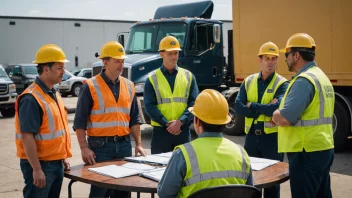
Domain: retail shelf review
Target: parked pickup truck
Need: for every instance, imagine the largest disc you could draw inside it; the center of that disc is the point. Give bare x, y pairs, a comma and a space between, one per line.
8, 94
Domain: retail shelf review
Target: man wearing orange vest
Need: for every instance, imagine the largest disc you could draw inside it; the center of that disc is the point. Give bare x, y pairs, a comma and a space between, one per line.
107, 109
42, 136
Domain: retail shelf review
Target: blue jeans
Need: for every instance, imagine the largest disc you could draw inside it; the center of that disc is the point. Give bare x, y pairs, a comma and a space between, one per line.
264, 146
54, 174
163, 141
310, 173
108, 149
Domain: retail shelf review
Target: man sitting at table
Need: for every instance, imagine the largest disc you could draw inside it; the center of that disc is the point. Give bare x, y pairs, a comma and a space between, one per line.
211, 160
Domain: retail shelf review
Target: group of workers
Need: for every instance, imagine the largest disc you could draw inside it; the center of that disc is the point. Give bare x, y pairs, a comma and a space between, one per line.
281, 116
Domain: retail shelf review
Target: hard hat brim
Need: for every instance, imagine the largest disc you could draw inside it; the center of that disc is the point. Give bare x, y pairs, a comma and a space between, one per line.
172, 49
210, 121
284, 50
272, 54
115, 57
58, 61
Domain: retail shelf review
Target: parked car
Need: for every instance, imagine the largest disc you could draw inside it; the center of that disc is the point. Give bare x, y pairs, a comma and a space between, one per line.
8, 94
70, 84
22, 75
85, 72
75, 72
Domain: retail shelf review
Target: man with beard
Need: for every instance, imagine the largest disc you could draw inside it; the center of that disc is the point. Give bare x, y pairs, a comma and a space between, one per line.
42, 136
107, 109
168, 93
259, 96
305, 120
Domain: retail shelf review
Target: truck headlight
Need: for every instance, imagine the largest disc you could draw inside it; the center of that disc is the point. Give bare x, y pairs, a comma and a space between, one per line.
139, 87
12, 88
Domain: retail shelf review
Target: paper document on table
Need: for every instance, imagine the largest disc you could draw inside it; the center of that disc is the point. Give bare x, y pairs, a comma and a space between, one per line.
155, 174
168, 154
125, 170
150, 159
261, 163
138, 166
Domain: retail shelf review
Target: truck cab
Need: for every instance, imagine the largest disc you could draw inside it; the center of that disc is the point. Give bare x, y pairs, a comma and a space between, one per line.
199, 36
8, 94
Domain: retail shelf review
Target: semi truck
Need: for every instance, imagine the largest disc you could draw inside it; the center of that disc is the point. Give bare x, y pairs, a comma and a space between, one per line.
254, 23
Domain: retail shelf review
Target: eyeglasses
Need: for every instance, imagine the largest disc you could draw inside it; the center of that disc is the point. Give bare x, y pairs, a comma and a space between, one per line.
288, 53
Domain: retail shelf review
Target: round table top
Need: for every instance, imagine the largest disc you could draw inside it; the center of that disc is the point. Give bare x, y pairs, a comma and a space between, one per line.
267, 177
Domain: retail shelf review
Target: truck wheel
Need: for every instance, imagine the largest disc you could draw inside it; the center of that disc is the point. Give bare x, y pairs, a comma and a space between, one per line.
75, 89
340, 126
236, 126
8, 113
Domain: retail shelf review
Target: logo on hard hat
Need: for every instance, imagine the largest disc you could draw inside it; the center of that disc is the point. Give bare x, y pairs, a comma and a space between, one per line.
120, 50
271, 49
172, 43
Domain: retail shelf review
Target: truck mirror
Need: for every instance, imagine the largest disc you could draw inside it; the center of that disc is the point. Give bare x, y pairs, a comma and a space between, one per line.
216, 33
96, 55
121, 39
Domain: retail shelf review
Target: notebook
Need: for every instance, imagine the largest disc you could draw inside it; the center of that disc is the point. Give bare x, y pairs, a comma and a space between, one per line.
124, 170
168, 154
149, 159
155, 174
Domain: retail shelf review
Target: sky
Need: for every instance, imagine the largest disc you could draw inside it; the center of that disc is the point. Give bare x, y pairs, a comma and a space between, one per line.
131, 10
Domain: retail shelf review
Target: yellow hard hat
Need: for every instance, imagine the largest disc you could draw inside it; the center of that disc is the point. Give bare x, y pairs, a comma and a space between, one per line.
112, 49
169, 43
211, 107
50, 53
299, 40
269, 48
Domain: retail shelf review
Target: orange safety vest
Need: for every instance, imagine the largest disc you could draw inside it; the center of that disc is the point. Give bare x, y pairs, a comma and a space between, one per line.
108, 117
53, 139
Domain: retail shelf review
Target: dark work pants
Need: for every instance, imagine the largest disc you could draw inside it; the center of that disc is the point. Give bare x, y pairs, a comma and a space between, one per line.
309, 173
54, 175
107, 150
163, 141
264, 146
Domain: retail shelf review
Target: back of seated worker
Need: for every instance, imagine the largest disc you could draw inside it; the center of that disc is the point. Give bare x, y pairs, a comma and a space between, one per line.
210, 154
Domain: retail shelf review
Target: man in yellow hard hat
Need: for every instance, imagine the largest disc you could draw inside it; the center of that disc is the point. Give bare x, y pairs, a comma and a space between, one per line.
305, 118
259, 96
42, 135
209, 156
107, 109
168, 92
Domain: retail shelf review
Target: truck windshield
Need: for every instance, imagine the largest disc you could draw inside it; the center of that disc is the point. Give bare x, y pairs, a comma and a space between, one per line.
30, 70
146, 38
2, 73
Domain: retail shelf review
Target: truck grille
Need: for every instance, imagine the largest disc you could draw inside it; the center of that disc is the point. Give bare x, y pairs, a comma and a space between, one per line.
125, 72
3, 88
4, 99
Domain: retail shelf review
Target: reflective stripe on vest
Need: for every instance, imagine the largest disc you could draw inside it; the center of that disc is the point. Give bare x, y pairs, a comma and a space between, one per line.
198, 177
273, 85
322, 120
313, 131
53, 134
161, 100
103, 110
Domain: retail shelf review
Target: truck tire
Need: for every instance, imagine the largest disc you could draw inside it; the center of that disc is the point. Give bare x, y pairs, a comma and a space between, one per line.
236, 126
8, 113
75, 89
340, 126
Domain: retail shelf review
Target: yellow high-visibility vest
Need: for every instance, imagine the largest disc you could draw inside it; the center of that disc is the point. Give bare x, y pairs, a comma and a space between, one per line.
171, 104
213, 161
313, 131
251, 85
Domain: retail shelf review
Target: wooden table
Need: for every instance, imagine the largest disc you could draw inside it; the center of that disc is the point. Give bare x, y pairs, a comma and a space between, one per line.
267, 177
